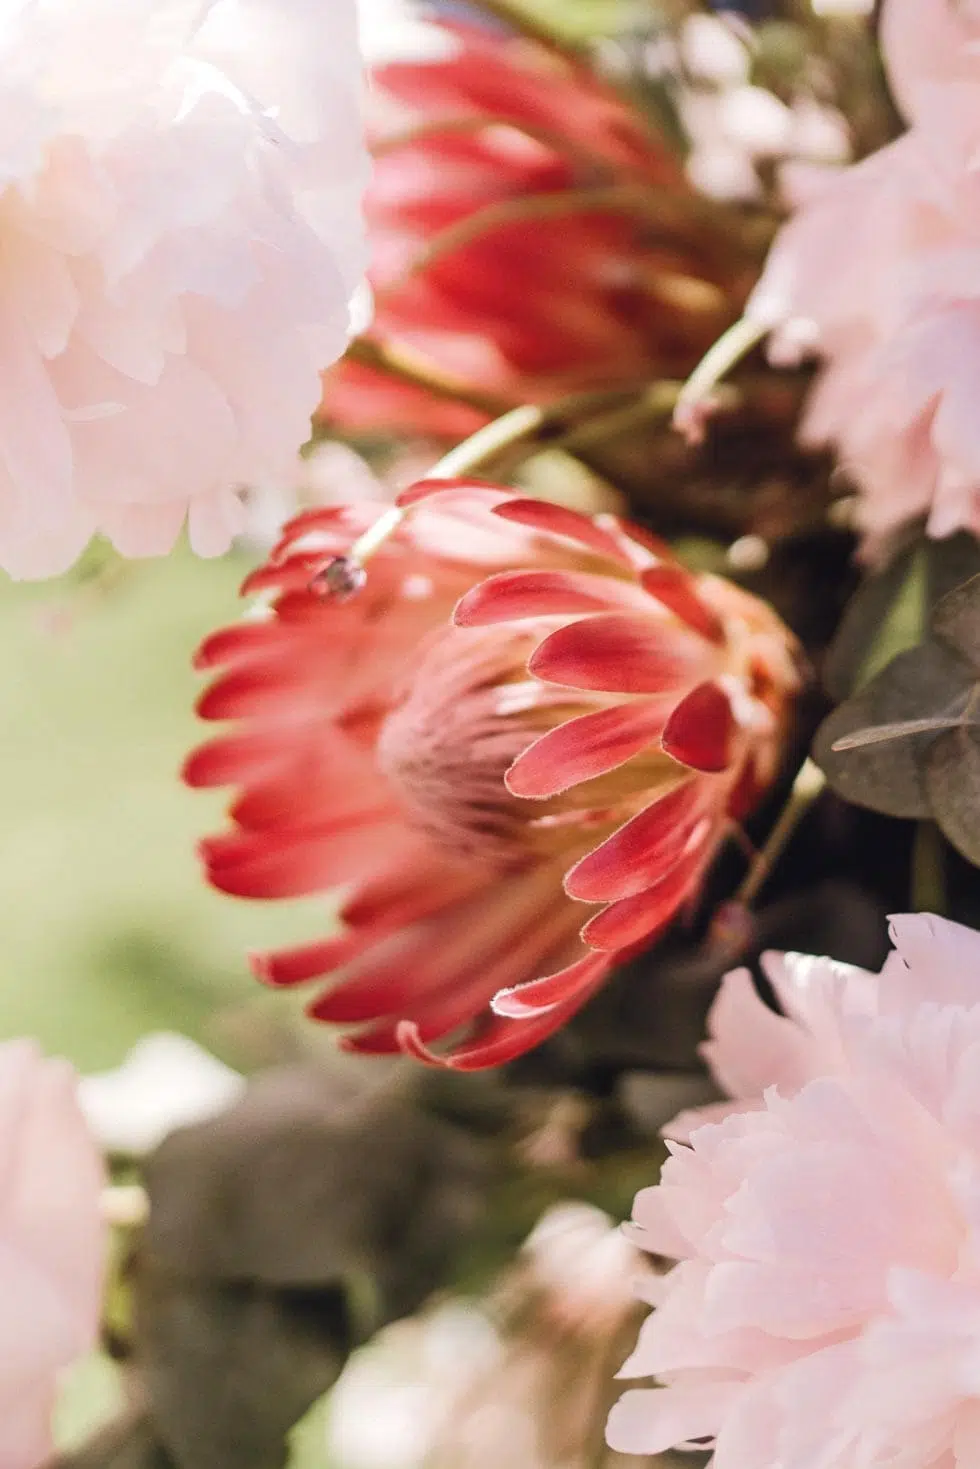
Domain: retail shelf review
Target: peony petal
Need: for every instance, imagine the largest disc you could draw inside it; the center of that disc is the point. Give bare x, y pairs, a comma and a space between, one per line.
652, 1420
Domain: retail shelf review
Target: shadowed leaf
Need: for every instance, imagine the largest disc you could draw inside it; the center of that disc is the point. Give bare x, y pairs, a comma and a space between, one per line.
952, 769
957, 620
879, 734
231, 1368
886, 777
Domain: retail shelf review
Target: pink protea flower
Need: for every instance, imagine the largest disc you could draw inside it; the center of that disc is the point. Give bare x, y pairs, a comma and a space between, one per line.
181, 237
823, 1309
896, 315
531, 236
581, 729
51, 1245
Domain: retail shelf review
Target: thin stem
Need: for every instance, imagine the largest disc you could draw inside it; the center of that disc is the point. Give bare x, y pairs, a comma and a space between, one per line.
807, 786
441, 127
522, 429
608, 198
125, 1205
717, 362
408, 367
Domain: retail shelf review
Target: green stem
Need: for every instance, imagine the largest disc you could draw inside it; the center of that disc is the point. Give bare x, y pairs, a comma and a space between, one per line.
807, 786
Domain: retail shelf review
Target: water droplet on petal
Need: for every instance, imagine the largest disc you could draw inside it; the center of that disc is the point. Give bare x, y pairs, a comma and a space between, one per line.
339, 580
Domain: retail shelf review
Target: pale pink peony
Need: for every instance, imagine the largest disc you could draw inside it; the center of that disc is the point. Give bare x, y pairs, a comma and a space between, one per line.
878, 269
180, 237
51, 1245
825, 1308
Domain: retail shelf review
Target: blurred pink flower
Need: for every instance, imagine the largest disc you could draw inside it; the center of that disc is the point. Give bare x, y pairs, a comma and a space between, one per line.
878, 270
180, 237
824, 1308
51, 1245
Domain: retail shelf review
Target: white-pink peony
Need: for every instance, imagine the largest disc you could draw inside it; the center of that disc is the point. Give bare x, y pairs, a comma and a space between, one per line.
51, 1245
824, 1312
879, 269
180, 238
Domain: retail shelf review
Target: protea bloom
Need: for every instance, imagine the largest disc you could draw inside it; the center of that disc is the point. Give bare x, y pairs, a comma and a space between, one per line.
475, 757
532, 236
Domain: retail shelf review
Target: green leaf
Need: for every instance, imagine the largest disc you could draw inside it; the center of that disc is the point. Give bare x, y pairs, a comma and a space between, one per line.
952, 769
956, 620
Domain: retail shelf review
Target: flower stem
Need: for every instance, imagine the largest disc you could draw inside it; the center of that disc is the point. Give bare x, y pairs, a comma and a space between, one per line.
807, 786
717, 362
410, 367
125, 1205
522, 430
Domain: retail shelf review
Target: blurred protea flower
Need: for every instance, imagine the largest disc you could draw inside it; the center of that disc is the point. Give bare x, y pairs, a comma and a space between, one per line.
525, 710
181, 237
533, 234
825, 1307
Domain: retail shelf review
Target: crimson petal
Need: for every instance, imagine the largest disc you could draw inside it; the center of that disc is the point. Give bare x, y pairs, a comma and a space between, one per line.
503, 1039
537, 996
557, 520
675, 588
642, 917
516, 594
639, 853
701, 731
583, 748
617, 652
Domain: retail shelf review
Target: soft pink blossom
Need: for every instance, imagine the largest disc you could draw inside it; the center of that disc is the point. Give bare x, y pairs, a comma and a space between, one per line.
51, 1245
878, 269
180, 238
825, 1307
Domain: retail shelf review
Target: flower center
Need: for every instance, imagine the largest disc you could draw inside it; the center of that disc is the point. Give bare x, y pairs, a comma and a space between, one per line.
469, 712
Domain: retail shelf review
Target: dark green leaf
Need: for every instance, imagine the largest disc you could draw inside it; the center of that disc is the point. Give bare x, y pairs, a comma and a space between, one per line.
951, 562
886, 778
310, 1182
952, 770
231, 1368
879, 734
926, 682
956, 620
128, 1442
870, 613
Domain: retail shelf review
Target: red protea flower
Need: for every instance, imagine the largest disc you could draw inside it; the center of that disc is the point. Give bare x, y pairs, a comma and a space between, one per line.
532, 235
476, 757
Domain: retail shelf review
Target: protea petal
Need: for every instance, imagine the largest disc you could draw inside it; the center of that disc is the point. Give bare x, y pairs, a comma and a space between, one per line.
701, 730
674, 587
614, 652
638, 854
516, 594
586, 747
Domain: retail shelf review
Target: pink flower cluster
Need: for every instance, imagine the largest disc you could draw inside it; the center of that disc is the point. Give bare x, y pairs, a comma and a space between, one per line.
51, 1245
825, 1307
879, 269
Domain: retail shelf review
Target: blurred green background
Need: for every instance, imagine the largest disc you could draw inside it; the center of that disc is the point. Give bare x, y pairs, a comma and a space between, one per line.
108, 929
